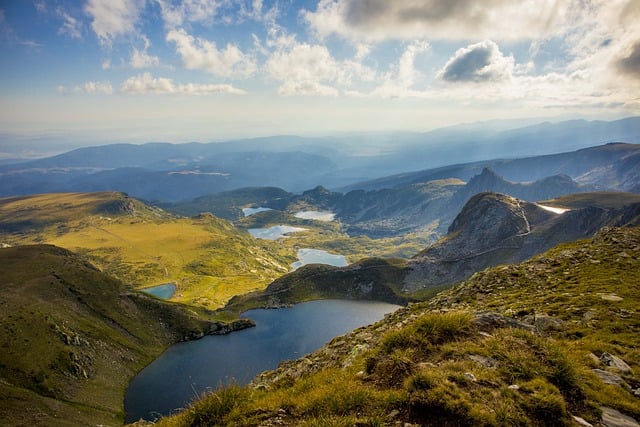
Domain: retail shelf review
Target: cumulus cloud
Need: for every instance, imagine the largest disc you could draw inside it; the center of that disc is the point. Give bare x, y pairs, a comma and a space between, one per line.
437, 19
145, 83
141, 58
201, 54
177, 13
302, 69
113, 18
310, 69
478, 62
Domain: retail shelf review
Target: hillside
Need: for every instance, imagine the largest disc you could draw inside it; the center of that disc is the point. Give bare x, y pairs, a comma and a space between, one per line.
73, 337
207, 258
549, 342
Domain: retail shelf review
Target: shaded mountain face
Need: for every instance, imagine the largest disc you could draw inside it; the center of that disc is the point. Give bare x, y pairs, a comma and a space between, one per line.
497, 229
73, 337
491, 229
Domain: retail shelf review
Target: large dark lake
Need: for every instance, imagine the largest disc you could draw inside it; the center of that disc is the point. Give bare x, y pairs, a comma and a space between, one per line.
187, 369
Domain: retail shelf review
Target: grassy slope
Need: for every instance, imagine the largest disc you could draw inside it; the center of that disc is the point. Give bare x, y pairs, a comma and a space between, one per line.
446, 362
71, 338
208, 259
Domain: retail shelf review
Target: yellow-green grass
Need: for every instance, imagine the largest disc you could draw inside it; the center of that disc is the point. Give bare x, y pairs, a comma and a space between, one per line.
207, 258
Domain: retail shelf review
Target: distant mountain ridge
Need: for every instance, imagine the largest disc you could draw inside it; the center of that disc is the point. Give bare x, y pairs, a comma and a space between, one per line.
180, 172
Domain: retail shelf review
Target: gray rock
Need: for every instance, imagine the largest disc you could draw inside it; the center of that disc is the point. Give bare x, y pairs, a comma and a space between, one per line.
470, 376
486, 362
608, 377
582, 422
613, 418
542, 322
614, 362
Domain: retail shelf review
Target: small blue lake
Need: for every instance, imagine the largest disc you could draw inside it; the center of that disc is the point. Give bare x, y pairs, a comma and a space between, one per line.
274, 233
165, 291
317, 256
252, 211
316, 215
187, 369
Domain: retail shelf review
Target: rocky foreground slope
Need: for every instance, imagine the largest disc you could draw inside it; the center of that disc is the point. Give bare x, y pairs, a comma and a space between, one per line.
549, 342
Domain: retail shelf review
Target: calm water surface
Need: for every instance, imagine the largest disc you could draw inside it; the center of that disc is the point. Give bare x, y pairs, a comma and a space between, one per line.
274, 233
187, 369
165, 291
252, 211
317, 215
317, 256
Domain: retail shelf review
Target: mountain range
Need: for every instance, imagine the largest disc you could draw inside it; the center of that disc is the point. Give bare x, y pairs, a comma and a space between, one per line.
180, 172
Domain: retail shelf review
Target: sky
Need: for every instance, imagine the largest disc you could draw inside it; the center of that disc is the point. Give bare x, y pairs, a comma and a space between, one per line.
97, 71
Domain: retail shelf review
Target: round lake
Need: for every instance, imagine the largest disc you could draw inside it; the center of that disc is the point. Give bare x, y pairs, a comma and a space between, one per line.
187, 369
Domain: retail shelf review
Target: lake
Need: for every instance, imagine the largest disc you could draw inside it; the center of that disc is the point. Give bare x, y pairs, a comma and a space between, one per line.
187, 369
165, 291
317, 215
252, 211
317, 256
274, 233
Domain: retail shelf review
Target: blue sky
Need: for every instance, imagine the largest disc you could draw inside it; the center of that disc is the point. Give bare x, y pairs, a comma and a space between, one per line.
98, 71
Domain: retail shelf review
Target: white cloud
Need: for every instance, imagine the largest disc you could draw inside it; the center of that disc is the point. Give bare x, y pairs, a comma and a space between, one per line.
142, 59
201, 54
310, 69
480, 62
145, 83
70, 25
175, 14
399, 81
89, 87
113, 18
303, 66
106, 64
376, 20
40, 6
95, 87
